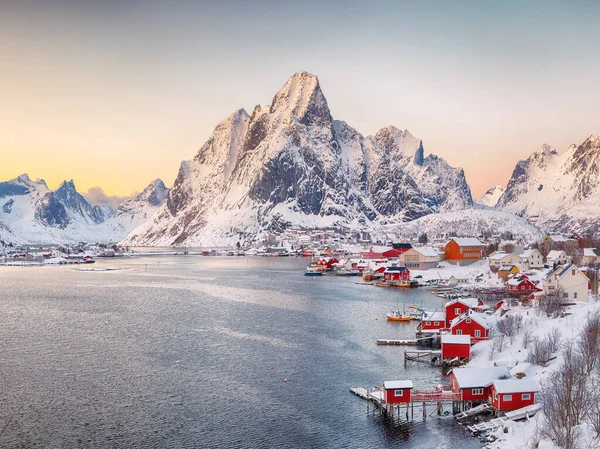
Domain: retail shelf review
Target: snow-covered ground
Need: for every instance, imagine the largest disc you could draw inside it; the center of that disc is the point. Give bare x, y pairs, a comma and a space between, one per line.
524, 435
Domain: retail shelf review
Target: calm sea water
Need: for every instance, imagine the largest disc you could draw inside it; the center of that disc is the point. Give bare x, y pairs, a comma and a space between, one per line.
189, 351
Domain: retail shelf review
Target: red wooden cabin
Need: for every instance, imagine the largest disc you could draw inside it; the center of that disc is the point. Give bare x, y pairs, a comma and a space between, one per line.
396, 274
456, 346
433, 322
474, 384
521, 284
397, 391
471, 323
513, 394
457, 307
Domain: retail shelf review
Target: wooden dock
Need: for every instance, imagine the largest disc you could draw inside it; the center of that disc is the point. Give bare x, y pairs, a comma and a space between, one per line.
474, 411
487, 426
435, 399
428, 356
387, 342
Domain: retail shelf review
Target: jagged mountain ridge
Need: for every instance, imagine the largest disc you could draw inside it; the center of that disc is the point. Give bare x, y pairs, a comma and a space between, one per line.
31, 213
490, 197
559, 192
291, 163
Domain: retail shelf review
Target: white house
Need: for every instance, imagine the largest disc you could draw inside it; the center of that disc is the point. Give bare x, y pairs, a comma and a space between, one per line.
556, 257
591, 256
531, 258
499, 258
570, 279
420, 258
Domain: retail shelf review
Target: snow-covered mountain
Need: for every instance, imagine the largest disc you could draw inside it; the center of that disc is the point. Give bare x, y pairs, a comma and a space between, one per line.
290, 163
467, 223
31, 213
491, 197
558, 192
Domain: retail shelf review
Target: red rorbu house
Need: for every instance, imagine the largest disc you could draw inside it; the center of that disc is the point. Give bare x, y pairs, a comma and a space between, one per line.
521, 284
471, 323
396, 250
457, 307
396, 274
513, 394
432, 322
397, 391
327, 262
456, 346
474, 384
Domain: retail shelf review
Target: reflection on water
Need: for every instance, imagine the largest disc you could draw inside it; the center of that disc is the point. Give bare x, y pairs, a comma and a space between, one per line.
195, 352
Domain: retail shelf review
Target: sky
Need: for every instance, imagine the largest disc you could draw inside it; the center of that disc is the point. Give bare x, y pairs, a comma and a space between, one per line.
114, 94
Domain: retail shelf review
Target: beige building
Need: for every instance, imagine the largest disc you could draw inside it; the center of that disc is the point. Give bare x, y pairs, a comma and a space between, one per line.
570, 279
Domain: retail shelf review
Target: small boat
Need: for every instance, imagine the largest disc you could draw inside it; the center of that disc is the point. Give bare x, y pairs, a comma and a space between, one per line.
396, 315
313, 271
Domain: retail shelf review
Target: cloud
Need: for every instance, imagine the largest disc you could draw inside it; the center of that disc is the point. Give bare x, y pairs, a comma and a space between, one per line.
95, 195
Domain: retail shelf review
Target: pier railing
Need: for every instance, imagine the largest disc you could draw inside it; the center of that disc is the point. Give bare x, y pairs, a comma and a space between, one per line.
433, 396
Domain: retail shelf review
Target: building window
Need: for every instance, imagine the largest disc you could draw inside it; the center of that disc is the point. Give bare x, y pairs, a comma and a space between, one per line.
477, 391
436, 323
468, 320
507, 397
526, 397
398, 393
573, 272
574, 295
458, 332
478, 333
457, 310
565, 294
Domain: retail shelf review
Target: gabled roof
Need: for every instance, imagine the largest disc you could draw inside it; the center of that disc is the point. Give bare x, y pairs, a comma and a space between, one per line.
448, 339
560, 270
467, 241
480, 377
469, 302
397, 384
501, 255
555, 254
591, 252
427, 251
516, 386
475, 316
528, 253
516, 280
395, 269
434, 316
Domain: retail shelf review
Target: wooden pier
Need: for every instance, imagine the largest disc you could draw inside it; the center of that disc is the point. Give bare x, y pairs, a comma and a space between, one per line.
434, 399
429, 356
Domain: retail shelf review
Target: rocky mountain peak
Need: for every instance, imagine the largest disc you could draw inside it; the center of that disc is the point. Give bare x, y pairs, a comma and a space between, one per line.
301, 97
400, 145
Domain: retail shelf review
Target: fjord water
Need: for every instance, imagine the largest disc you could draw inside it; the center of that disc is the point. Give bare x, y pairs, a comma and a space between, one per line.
190, 351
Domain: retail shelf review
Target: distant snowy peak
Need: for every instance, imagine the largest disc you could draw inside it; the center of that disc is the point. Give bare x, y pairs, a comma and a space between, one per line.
559, 192
31, 213
290, 163
491, 197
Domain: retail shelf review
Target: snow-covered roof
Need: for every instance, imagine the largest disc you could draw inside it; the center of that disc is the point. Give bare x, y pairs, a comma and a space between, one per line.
397, 384
555, 254
434, 316
467, 241
559, 238
499, 255
527, 253
516, 385
456, 339
475, 316
428, 251
591, 252
469, 302
395, 269
479, 377
516, 280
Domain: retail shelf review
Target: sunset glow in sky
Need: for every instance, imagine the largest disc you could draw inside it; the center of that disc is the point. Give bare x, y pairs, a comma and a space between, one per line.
116, 94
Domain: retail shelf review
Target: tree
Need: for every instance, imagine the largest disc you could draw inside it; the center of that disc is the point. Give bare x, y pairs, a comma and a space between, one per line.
423, 239
551, 302
509, 248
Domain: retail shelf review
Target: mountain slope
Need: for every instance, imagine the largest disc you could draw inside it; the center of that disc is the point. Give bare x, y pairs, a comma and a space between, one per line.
559, 192
491, 197
290, 163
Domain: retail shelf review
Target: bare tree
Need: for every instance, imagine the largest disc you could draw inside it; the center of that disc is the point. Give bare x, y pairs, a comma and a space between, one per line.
509, 326
566, 400
554, 339
539, 352
527, 338
589, 342
508, 248
551, 302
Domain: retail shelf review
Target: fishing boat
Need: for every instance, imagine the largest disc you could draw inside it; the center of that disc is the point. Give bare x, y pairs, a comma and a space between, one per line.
396, 315
312, 271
